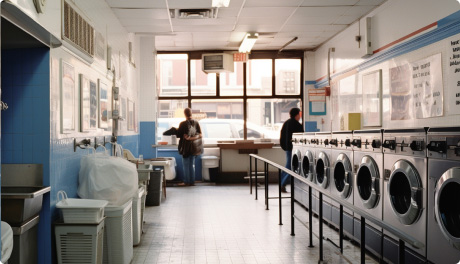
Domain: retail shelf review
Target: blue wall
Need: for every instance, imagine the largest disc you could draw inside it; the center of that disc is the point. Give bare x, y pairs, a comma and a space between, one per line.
147, 139
179, 166
131, 143
26, 123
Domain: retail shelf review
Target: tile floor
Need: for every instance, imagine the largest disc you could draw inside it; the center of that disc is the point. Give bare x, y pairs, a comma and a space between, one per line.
224, 224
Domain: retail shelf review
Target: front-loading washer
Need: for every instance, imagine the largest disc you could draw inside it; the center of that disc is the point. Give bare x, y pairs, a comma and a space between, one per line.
342, 177
443, 236
297, 148
405, 185
368, 183
323, 166
300, 188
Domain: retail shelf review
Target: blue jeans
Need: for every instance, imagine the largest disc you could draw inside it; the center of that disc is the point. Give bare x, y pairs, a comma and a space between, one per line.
189, 169
286, 178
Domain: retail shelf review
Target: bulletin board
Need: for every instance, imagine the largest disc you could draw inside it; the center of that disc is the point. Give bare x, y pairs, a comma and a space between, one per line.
317, 101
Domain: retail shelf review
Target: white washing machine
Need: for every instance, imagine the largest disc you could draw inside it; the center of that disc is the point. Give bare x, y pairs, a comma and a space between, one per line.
368, 185
323, 166
342, 177
405, 186
297, 148
443, 237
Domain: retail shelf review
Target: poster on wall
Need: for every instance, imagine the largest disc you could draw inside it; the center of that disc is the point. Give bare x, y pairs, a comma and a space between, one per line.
372, 99
335, 105
400, 93
104, 105
67, 97
427, 87
85, 104
93, 104
131, 116
453, 101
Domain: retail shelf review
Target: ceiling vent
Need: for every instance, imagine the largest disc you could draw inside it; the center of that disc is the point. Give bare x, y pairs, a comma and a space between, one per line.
77, 31
193, 13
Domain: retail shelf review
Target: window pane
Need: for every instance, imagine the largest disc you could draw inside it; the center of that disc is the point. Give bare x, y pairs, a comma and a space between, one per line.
266, 116
232, 83
222, 119
287, 76
201, 83
171, 113
172, 74
259, 77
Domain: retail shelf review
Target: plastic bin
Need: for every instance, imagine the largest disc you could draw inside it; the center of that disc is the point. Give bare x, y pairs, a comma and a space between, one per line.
168, 164
155, 187
25, 237
79, 243
137, 216
80, 211
118, 235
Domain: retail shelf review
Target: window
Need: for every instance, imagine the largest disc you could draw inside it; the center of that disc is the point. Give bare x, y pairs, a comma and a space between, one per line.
259, 77
201, 83
232, 83
262, 89
172, 74
287, 76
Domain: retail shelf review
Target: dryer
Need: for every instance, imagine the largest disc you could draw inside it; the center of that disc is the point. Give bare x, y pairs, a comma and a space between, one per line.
405, 185
342, 177
300, 188
308, 170
367, 194
297, 148
323, 166
443, 236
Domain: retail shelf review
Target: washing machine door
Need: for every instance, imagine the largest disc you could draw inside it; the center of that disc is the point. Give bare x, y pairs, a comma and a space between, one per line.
405, 192
322, 170
308, 165
343, 176
295, 161
367, 182
447, 206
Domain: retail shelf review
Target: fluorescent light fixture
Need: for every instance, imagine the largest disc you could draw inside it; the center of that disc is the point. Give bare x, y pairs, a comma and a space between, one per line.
220, 3
248, 42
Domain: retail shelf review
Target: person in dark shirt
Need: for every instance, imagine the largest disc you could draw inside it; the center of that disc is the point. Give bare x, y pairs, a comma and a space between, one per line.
189, 130
289, 127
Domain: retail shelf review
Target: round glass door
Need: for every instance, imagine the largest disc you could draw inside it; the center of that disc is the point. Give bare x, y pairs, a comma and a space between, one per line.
322, 170
307, 165
342, 175
295, 162
367, 182
404, 188
447, 205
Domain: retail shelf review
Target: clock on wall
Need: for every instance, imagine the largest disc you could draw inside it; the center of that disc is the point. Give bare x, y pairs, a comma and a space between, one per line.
40, 5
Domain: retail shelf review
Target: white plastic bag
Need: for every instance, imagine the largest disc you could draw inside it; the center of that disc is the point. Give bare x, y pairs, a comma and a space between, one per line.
108, 178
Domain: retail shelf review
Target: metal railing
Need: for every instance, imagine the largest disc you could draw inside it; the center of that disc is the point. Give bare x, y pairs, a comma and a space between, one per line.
365, 216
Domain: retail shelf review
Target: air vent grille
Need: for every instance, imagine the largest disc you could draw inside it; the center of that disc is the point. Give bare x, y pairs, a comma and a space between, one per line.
77, 30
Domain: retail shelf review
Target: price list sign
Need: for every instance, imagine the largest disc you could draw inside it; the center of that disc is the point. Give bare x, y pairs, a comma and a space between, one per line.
454, 75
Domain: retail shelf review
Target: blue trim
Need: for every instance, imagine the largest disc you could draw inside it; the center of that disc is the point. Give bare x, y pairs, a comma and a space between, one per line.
316, 113
147, 139
447, 27
310, 82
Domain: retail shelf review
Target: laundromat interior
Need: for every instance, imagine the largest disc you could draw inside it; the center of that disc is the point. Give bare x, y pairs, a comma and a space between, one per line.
230, 131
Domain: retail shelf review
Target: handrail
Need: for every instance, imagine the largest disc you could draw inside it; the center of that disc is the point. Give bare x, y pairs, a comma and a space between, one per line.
402, 236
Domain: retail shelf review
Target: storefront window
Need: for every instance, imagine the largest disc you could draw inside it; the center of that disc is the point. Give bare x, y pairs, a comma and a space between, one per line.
259, 77
201, 83
172, 74
287, 76
171, 113
232, 83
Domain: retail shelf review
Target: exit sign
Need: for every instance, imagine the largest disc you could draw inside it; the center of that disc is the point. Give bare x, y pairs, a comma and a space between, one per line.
242, 57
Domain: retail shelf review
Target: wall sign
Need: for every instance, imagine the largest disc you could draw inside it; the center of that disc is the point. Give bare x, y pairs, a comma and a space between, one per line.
372, 99
400, 93
453, 100
427, 87
67, 97
317, 101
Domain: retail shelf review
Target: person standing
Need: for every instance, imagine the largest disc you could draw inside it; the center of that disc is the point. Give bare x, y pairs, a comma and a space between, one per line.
289, 127
190, 146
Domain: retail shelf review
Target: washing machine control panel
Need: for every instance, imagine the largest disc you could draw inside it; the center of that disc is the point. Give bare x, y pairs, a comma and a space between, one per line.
341, 140
444, 147
389, 145
405, 145
323, 139
367, 140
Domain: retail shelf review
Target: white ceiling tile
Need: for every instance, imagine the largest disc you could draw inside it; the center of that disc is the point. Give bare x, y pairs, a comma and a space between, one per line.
346, 20
142, 29
203, 28
314, 28
310, 20
143, 22
358, 10
136, 4
371, 2
183, 43
203, 22
164, 43
184, 4
329, 2
228, 12
292, 34
208, 43
237, 36
141, 13
267, 12
321, 11
211, 34
234, 4
261, 21
272, 3
258, 28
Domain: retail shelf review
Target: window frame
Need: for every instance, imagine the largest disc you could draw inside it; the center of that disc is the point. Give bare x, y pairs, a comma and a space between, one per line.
273, 55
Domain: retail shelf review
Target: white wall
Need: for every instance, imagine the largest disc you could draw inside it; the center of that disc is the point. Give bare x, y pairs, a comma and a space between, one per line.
147, 79
393, 20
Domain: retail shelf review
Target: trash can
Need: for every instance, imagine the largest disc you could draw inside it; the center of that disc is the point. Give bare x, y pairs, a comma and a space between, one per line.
155, 187
25, 242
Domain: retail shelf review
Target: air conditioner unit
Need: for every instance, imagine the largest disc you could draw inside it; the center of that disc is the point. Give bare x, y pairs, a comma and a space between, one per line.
217, 62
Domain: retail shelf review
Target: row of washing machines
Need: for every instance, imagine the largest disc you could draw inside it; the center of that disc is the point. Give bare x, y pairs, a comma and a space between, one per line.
409, 178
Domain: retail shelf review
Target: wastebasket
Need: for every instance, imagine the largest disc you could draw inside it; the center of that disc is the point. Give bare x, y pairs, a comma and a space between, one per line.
154, 189
25, 242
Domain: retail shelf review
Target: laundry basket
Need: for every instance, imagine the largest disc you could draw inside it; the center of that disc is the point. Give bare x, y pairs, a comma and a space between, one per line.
79, 243
137, 216
80, 210
118, 235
